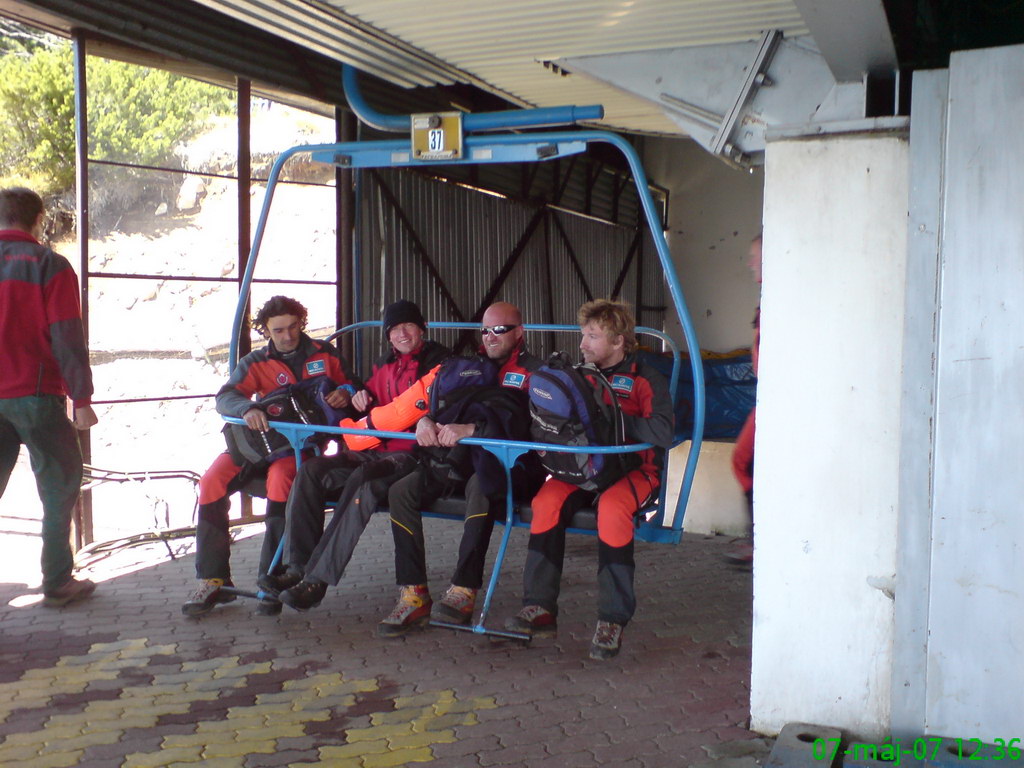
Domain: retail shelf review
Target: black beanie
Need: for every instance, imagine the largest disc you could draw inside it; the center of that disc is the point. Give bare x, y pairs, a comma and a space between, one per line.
402, 311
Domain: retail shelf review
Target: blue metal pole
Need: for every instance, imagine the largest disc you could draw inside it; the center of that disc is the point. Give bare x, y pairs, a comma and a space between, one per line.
472, 121
257, 239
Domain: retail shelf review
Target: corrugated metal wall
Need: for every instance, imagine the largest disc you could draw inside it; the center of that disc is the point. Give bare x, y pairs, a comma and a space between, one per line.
408, 222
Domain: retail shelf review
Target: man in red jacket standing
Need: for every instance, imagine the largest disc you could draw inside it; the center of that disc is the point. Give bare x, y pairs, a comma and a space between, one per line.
44, 360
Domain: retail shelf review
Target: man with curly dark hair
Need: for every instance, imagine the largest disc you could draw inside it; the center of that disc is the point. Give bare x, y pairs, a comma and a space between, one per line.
289, 357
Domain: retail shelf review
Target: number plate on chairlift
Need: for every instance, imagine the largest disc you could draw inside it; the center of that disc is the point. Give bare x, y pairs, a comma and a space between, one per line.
437, 136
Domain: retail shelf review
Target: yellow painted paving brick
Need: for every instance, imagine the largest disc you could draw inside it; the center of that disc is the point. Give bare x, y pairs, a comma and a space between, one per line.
198, 739
312, 705
352, 762
329, 687
284, 731
352, 751
83, 741
244, 713
57, 760
253, 720
422, 739
263, 746
142, 651
73, 720
148, 708
235, 749
243, 670
306, 715
98, 666
15, 755
80, 679
143, 721
302, 683
184, 753
378, 732
420, 700
273, 710
399, 757
282, 697
237, 761
441, 722
118, 645
187, 696
203, 665
446, 708
400, 716
46, 736
34, 673
179, 679
209, 684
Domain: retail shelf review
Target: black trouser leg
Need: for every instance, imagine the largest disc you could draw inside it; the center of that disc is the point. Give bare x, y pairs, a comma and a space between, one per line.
404, 504
213, 542
319, 481
542, 575
363, 492
616, 598
476, 535
274, 522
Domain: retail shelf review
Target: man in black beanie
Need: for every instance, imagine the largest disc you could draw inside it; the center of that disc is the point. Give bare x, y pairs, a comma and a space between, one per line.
322, 480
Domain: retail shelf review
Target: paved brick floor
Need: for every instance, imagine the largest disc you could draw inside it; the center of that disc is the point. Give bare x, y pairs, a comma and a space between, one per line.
125, 680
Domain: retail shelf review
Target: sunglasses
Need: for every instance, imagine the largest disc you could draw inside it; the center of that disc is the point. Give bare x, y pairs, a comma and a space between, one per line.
496, 330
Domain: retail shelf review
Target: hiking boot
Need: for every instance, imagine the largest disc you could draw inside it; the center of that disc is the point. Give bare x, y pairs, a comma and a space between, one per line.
457, 605
607, 641
534, 621
740, 552
304, 595
206, 596
71, 590
411, 610
268, 606
275, 585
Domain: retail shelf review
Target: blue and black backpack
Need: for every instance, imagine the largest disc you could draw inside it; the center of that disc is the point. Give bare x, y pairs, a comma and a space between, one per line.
575, 405
458, 379
455, 374
301, 403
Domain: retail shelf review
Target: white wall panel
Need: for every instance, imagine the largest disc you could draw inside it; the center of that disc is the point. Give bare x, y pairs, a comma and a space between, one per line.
975, 675
828, 431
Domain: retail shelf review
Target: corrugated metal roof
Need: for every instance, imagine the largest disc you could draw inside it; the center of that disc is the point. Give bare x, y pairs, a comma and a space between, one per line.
501, 46
504, 44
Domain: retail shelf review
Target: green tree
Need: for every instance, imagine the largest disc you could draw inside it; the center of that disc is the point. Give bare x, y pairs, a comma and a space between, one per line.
136, 114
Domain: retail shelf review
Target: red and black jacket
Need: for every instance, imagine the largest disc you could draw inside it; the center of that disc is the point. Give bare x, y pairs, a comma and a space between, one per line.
646, 407
43, 350
264, 370
394, 373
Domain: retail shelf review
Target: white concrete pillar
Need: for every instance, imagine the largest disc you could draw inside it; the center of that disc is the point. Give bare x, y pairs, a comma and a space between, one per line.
828, 431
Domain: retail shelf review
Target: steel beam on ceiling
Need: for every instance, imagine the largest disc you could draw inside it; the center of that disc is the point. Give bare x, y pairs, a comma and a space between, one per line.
854, 37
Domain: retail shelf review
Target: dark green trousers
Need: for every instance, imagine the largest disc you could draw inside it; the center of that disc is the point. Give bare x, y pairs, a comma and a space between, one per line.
41, 425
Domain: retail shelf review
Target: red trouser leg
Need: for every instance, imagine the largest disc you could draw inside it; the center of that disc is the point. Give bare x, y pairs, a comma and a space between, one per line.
743, 455
547, 504
280, 477
542, 575
617, 506
616, 566
214, 483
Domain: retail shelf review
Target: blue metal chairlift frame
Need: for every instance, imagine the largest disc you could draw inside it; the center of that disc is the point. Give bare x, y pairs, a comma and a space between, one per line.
497, 148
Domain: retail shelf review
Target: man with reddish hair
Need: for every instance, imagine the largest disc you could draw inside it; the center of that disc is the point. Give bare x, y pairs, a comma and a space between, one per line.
43, 360
608, 343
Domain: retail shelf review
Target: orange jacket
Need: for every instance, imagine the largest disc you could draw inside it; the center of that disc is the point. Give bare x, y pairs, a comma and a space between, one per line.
397, 416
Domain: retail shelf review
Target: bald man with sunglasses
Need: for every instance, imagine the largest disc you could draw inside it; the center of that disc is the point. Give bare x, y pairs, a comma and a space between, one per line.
501, 339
